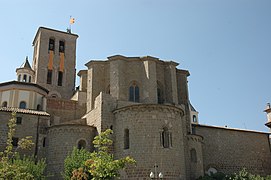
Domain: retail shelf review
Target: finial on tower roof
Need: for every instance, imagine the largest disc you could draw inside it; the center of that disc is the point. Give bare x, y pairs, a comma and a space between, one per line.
26, 63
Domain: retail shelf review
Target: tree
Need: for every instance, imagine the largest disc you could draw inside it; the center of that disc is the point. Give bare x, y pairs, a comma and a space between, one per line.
102, 164
76, 161
12, 166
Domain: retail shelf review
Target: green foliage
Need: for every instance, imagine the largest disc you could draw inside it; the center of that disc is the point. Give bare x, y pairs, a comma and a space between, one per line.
241, 175
12, 166
101, 164
214, 176
76, 162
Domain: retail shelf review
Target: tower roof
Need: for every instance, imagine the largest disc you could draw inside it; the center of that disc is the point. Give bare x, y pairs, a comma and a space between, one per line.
26, 64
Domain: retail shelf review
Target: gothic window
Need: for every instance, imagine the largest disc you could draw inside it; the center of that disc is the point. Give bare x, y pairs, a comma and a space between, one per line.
22, 105
29, 79
51, 45
193, 155
24, 78
81, 144
19, 78
49, 76
15, 141
60, 78
126, 139
194, 118
166, 138
4, 104
19, 120
134, 93
61, 46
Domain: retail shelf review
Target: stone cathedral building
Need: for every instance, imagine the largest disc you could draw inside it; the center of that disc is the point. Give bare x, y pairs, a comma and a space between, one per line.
145, 101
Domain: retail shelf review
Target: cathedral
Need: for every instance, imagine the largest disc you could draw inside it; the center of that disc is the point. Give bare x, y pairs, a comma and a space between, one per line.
144, 100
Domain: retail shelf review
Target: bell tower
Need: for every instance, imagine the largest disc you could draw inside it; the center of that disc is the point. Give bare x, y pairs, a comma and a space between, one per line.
268, 113
54, 61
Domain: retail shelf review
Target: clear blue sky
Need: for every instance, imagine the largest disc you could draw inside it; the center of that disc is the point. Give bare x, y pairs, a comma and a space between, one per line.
225, 44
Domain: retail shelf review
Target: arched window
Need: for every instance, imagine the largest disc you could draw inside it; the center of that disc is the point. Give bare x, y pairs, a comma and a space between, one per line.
29, 80
24, 78
81, 144
22, 105
5, 104
61, 46
38, 107
194, 118
19, 77
126, 139
134, 93
51, 44
54, 96
166, 138
193, 155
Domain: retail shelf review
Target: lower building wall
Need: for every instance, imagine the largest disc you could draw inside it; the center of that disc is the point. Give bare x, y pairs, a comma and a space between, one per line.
195, 156
230, 150
61, 141
138, 132
27, 127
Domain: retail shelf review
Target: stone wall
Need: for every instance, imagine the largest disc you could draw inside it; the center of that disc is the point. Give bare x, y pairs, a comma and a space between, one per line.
145, 124
62, 110
28, 127
195, 156
61, 140
230, 150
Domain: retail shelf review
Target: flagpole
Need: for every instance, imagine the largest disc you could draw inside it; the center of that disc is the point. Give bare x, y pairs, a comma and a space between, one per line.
70, 24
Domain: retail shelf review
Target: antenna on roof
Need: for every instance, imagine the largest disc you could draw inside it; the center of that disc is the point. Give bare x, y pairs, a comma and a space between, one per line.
72, 20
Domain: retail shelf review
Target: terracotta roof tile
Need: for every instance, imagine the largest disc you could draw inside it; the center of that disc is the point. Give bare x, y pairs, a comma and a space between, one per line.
24, 111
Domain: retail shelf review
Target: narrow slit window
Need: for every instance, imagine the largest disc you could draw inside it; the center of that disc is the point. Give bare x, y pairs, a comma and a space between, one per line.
15, 141
49, 76
193, 155
126, 139
60, 78
44, 142
166, 138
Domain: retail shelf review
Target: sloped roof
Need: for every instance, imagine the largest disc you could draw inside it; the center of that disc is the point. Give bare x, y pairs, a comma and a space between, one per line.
192, 107
24, 111
26, 64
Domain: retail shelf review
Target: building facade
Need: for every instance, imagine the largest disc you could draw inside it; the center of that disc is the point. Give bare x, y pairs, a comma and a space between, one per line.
144, 100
